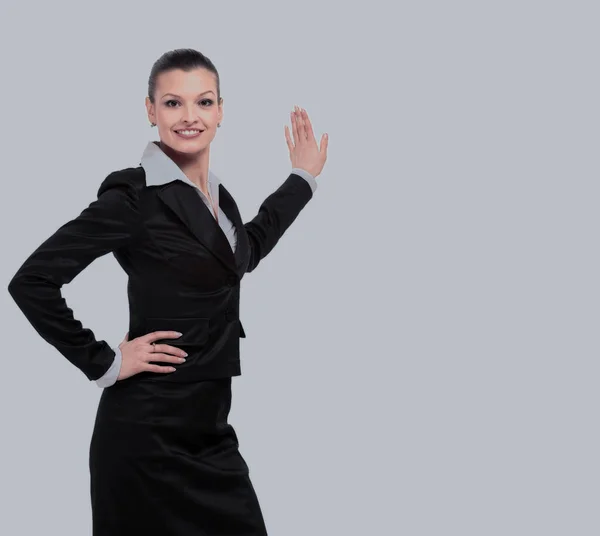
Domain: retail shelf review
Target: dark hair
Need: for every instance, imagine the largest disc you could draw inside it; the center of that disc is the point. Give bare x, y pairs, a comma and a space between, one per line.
185, 59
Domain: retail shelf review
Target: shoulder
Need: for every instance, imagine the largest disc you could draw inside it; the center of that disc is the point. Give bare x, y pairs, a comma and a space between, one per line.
128, 181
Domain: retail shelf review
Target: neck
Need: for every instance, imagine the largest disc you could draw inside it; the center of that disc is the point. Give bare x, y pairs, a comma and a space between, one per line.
194, 166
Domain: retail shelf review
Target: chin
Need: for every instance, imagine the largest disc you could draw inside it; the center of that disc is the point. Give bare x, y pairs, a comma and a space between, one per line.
188, 146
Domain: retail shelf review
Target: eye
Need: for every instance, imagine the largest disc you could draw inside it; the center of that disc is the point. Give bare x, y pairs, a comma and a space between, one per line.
208, 101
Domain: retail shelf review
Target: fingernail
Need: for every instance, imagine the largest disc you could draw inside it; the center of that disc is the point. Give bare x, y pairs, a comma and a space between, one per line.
178, 333
185, 354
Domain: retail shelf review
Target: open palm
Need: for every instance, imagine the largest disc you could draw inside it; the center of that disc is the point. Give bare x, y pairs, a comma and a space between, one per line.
304, 152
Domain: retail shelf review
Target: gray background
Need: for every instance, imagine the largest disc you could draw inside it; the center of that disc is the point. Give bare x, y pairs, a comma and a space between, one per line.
421, 351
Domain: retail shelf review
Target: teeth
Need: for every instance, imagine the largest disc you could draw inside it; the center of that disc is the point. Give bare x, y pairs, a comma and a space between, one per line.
187, 132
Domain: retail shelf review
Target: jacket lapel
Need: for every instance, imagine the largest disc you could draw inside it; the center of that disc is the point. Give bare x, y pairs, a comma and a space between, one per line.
195, 215
229, 207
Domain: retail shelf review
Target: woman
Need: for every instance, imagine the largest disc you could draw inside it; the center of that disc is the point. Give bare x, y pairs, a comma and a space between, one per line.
163, 458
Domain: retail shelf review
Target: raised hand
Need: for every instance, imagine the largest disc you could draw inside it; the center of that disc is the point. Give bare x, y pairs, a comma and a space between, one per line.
137, 354
304, 152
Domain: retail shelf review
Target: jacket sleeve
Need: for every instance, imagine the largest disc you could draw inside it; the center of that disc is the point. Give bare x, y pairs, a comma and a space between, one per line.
277, 213
112, 374
108, 223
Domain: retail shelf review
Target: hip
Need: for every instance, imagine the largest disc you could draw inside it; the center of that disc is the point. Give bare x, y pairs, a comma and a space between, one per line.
179, 409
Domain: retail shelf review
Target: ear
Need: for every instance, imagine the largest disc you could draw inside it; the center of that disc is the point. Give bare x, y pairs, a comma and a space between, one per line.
220, 110
150, 110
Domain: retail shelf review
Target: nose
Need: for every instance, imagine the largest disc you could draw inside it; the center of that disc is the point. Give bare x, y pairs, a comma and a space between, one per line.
189, 114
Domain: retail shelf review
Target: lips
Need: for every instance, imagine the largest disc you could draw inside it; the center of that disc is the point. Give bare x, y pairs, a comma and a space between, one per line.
188, 136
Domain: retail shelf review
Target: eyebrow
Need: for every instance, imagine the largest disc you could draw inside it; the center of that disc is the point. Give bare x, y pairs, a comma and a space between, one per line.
203, 93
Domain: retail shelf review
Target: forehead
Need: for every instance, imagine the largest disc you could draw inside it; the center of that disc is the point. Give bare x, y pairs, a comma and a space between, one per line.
186, 82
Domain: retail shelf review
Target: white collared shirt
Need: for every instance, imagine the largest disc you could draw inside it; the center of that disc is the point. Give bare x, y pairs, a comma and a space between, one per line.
160, 169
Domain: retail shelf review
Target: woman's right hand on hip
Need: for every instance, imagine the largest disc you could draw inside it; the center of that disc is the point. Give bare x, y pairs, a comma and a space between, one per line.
137, 354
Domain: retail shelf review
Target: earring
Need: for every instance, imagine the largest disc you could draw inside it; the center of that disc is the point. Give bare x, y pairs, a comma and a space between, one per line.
152, 125
218, 124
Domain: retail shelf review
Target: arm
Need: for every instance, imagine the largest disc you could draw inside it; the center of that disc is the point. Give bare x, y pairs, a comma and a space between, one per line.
108, 223
277, 213
280, 209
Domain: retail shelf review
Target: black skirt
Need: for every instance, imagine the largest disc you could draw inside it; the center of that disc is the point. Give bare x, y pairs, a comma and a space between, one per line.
164, 461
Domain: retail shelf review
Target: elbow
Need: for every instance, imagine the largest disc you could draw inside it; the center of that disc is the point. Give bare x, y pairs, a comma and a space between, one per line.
15, 287
22, 284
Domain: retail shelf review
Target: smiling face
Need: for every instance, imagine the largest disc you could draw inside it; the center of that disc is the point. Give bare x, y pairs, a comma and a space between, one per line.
186, 101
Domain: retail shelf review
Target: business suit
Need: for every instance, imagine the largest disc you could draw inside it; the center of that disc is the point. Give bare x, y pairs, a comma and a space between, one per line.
163, 459
159, 169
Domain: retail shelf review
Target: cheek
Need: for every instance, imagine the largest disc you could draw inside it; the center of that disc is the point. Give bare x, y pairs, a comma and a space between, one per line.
211, 135
162, 118
168, 113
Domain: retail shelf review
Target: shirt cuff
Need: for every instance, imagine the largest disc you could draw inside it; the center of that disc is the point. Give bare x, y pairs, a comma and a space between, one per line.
111, 375
307, 177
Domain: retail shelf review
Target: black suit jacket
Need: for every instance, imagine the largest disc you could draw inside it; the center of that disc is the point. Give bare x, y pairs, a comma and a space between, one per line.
183, 275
